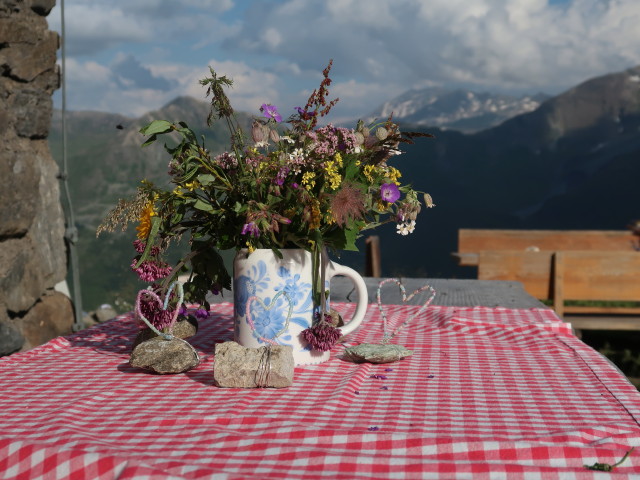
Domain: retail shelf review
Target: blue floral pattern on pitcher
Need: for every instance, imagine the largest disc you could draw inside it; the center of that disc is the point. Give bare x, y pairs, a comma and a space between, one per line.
245, 287
270, 319
299, 294
269, 316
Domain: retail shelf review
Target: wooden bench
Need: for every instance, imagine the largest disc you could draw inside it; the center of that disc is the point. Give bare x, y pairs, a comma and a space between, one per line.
473, 241
610, 278
560, 266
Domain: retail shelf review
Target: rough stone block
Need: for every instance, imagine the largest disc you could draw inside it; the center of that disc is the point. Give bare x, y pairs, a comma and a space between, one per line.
19, 179
164, 356
42, 7
25, 61
240, 367
11, 340
32, 110
50, 317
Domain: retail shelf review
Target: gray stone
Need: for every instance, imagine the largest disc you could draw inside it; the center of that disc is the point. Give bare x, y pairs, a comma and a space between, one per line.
240, 367
33, 256
21, 282
19, 179
50, 317
42, 7
26, 61
376, 353
11, 340
182, 329
336, 319
164, 356
32, 110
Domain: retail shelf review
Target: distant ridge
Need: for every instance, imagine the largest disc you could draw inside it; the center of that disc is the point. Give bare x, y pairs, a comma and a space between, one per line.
462, 110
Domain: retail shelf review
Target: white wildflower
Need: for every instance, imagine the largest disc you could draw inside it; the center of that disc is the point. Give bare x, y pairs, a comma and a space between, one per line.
405, 228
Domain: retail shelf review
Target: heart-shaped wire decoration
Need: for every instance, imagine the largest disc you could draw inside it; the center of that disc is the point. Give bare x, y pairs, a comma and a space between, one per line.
266, 308
386, 336
385, 352
165, 306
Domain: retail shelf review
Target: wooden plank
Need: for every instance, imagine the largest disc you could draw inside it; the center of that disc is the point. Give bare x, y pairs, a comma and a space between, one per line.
532, 269
590, 275
449, 292
603, 323
466, 259
472, 241
373, 262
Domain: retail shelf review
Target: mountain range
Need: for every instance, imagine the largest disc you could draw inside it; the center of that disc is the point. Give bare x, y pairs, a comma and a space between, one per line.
462, 110
570, 163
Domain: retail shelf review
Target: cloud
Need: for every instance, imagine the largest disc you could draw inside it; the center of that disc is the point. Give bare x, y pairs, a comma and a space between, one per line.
94, 27
275, 50
523, 44
130, 73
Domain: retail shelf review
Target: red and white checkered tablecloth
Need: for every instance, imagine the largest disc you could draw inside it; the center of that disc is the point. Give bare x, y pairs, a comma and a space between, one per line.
488, 393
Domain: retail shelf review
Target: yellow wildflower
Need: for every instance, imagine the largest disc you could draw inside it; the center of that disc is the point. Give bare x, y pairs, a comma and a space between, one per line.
338, 159
250, 247
191, 186
308, 181
394, 174
144, 226
368, 169
333, 177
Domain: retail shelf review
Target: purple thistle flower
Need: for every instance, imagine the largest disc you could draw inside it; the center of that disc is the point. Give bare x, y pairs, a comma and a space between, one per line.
270, 111
201, 313
151, 270
321, 336
153, 312
389, 192
250, 229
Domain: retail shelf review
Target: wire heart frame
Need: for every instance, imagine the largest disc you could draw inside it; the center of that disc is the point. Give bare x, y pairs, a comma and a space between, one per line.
385, 352
386, 336
271, 305
165, 306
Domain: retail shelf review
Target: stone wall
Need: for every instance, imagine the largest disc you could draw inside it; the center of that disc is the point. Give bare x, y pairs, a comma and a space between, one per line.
33, 257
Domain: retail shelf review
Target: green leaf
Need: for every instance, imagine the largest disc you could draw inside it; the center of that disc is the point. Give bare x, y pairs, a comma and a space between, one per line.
149, 141
157, 126
202, 205
351, 235
206, 179
351, 171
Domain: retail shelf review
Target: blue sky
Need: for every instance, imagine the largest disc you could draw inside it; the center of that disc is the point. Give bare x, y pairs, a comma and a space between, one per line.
133, 56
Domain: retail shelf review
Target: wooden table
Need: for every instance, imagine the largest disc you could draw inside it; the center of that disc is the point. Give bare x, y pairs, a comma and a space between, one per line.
449, 292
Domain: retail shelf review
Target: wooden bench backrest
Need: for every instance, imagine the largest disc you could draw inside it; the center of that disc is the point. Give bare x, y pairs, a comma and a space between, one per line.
568, 275
598, 275
532, 269
476, 240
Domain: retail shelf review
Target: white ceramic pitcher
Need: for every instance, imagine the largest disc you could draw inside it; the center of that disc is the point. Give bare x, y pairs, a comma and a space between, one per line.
273, 300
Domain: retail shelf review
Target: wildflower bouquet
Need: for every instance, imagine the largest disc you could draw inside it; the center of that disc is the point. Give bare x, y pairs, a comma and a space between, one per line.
293, 184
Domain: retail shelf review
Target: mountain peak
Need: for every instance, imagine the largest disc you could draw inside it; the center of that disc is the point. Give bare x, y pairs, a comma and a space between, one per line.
456, 109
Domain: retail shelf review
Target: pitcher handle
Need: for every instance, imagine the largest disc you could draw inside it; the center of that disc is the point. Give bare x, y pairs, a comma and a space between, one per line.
361, 289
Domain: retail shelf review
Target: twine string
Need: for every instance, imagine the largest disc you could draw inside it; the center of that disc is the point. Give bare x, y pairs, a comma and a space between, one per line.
264, 368
386, 336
